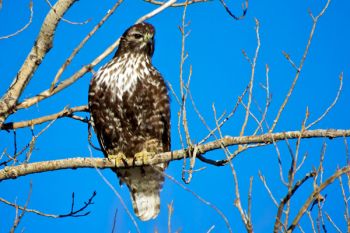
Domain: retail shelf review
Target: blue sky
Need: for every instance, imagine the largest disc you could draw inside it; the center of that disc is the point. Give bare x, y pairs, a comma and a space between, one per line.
220, 74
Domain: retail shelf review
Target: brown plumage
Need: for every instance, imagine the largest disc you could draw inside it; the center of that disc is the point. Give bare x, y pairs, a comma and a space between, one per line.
129, 106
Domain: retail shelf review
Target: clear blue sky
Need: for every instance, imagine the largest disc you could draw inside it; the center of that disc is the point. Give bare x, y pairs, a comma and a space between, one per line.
220, 74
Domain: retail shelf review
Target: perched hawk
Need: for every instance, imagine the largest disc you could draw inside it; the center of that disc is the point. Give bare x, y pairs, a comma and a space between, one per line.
129, 106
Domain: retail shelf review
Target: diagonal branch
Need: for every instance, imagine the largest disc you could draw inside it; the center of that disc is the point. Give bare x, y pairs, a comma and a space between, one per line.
12, 172
85, 69
315, 193
289, 195
301, 64
24, 27
42, 46
180, 4
66, 112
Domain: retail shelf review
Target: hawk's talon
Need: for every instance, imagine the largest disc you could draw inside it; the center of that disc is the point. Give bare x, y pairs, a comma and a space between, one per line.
142, 156
119, 159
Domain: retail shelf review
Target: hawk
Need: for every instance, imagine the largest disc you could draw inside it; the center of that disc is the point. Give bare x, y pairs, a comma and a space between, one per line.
129, 106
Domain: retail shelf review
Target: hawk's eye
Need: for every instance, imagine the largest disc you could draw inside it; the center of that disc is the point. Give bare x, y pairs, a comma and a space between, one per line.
137, 36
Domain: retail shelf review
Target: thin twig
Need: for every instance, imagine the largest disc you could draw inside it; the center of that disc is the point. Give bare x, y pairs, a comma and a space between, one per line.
170, 213
25, 26
114, 220
262, 178
330, 106
66, 20
42, 45
244, 8
198, 197
156, 11
333, 223
286, 199
116, 194
293, 169
178, 4
249, 214
237, 202
301, 64
239, 100
311, 221
316, 192
40, 213
72, 79
251, 82
82, 43
24, 210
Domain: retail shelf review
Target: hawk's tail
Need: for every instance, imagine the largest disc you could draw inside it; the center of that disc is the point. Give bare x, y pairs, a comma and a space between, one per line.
144, 184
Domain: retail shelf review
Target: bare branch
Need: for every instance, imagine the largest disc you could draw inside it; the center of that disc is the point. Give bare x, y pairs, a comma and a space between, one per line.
66, 20
263, 179
170, 213
82, 43
114, 220
116, 194
42, 46
244, 8
156, 11
330, 106
199, 198
253, 64
333, 223
178, 4
301, 64
73, 163
316, 192
239, 100
24, 27
287, 198
73, 213
24, 210
311, 221
66, 112
87, 68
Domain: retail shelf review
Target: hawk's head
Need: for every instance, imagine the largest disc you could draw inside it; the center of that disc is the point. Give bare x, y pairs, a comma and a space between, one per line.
139, 38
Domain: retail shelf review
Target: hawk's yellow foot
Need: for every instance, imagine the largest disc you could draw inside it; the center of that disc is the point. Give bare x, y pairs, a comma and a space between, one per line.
119, 159
143, 156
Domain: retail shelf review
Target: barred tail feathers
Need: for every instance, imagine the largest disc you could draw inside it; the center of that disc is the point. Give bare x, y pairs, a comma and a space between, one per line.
144, 184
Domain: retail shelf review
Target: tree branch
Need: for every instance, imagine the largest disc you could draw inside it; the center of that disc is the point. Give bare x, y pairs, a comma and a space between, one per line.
42, 46
66, 112
314, 194
24, 27
181, 4
85, 69
74, 163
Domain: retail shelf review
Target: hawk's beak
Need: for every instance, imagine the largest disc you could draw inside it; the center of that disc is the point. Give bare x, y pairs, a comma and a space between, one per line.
148, 38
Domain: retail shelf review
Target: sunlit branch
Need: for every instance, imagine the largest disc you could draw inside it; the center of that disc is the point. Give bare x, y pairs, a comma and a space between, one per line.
251, 82
73, 163
66, 112
85, 69
42, 45
82, 43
